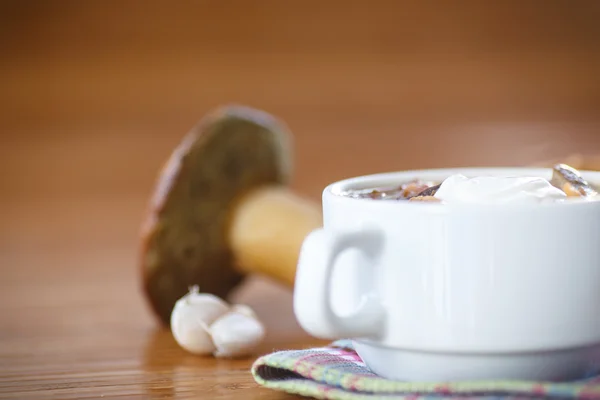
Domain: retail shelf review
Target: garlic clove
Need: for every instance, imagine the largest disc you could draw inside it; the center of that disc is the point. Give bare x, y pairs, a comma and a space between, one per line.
212, 306
236, 333
191, 318
193, 336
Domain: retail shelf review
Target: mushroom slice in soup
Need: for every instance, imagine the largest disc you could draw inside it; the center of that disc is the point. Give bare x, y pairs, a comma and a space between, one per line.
570, 181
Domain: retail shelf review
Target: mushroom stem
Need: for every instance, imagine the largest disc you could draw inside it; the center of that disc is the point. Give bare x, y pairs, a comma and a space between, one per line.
267, 229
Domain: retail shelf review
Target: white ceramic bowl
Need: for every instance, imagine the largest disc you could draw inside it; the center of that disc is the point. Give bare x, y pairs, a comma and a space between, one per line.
432, 291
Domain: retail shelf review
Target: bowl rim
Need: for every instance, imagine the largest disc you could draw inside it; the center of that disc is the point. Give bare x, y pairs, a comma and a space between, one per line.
335, 191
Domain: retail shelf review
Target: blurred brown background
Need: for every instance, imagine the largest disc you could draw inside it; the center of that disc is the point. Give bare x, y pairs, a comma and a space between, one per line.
95, 94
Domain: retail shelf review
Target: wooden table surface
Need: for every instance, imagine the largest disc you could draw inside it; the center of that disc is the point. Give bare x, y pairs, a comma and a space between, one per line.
96, 94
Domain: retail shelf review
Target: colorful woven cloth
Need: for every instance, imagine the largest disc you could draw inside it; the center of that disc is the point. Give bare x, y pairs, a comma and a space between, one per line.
337, 372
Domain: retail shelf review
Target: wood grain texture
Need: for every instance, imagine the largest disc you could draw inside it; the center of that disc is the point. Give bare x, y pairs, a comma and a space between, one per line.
74, 324
95, 95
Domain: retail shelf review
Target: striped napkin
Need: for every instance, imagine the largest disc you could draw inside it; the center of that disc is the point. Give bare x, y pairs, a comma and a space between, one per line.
337, 372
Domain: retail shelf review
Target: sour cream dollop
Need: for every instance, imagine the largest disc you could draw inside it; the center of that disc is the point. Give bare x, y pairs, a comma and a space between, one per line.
498, 190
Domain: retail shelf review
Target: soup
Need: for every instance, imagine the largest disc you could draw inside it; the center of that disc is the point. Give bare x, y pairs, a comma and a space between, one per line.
566, 182
405, 191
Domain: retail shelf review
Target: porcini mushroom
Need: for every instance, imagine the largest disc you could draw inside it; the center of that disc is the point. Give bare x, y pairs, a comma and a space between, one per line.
222, 209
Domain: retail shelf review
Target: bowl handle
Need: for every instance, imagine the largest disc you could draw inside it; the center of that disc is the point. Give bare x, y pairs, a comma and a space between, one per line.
312, 287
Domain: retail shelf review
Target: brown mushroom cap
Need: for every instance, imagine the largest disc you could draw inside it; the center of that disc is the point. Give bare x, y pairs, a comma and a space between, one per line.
230, 152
